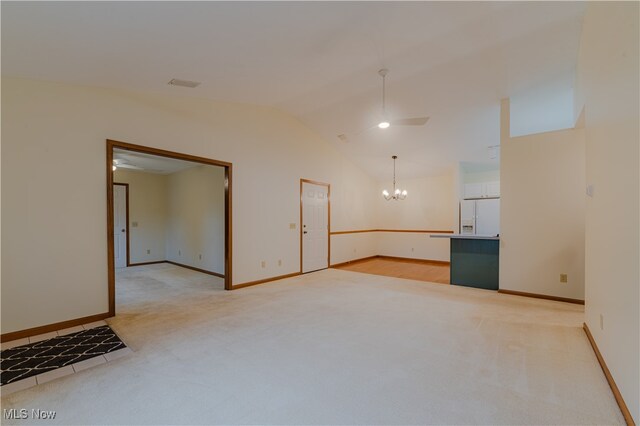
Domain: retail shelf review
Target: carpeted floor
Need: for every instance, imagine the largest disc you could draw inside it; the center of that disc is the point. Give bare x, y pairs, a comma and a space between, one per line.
332, 347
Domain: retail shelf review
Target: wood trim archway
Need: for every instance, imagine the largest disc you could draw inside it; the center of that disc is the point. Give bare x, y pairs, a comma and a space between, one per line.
228, 169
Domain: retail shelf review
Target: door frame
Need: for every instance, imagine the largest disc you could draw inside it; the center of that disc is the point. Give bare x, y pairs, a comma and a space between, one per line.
126, 191
228, 234
328, 185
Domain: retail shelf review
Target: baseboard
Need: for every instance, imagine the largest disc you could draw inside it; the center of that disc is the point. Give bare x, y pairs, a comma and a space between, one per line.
14, 335
401, 259
413, 260
614, 388
349, 262
147, 263
542, 296
265, 280
204, 271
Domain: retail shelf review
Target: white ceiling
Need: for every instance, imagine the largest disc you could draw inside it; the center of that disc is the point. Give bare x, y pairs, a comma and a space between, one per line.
148, 163
451, 61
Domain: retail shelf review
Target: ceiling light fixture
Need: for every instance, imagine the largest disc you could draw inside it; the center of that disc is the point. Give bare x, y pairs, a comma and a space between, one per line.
397, 194
385, 121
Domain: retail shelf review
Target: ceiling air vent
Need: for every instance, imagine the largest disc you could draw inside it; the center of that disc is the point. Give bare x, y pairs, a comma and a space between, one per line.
183, 83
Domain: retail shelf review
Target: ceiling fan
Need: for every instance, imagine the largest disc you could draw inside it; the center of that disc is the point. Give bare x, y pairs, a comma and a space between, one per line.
385, 121
124, 164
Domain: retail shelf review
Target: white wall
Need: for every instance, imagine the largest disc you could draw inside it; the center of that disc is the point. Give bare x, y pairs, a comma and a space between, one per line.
148, 208
345, 247
482, 177
195, 226
54, 242
432, 203
542, 213
608, 89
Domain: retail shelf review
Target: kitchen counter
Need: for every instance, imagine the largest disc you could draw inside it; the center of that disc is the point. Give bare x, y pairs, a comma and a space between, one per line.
474, 260
466, 236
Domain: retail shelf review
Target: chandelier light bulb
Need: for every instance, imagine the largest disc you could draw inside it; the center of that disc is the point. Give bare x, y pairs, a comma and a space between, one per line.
397, 192
385, 193
383, 124
404, 193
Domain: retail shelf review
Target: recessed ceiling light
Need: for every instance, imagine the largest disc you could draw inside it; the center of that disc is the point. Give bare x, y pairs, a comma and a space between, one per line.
183, 83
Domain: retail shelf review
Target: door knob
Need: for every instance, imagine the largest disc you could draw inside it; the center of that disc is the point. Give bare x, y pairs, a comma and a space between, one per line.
305, 232
123, 230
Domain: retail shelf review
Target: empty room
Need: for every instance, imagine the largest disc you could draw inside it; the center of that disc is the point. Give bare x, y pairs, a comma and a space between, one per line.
320, 213
168, 231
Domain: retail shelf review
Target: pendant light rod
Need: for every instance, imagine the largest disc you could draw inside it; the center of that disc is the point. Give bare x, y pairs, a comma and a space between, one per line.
383, 73
395, 157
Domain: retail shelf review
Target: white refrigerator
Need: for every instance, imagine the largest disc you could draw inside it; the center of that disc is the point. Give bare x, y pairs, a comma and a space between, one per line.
480, 217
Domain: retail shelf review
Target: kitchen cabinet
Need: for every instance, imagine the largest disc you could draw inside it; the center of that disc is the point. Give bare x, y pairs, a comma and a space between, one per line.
482, 190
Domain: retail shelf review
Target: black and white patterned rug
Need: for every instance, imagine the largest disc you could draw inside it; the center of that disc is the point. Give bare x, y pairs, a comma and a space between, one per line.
36, 358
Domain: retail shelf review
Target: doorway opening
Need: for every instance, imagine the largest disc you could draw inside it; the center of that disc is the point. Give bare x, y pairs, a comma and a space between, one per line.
195, 210
315, 225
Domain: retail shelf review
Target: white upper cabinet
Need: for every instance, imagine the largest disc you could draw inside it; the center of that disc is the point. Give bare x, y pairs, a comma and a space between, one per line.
473, 190
482, 190
493, 189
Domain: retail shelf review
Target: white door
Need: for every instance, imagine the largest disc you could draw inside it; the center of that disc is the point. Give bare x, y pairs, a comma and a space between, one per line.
120, 225
488, 217
467, 217
315, 227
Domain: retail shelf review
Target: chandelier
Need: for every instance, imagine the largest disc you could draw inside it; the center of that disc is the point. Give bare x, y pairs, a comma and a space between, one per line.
397, 193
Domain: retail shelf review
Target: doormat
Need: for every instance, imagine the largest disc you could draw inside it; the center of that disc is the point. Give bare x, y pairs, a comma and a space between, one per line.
32, 359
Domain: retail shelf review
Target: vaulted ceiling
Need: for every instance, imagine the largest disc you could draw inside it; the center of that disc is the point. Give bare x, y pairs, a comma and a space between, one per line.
451, 61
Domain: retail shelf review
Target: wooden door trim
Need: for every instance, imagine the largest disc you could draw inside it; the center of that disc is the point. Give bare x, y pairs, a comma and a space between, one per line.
126, 191
228, 231
328, 185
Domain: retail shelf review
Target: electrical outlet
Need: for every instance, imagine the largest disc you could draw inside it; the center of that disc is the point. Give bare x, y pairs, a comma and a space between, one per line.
134, 224
601, 322
563, 278
148, 251
292, 226
263, 264
279, 262
200, 256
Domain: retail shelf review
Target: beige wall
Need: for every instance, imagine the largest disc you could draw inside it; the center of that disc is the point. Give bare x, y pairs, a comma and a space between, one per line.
608, 90
542, 213
432, 203
195, 225
54, 242
148, 208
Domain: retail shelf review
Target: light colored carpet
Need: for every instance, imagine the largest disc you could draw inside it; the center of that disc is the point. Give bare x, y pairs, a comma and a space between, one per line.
333, 347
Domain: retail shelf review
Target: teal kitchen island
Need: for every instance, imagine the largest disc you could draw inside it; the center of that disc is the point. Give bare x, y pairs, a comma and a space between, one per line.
474, 260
